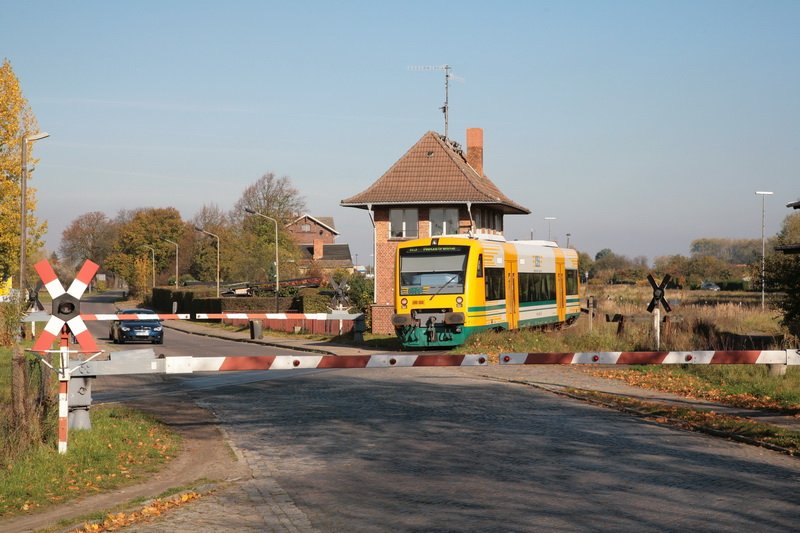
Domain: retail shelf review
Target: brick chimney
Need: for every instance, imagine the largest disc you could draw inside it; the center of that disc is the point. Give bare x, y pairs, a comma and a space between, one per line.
475, 149
318, 249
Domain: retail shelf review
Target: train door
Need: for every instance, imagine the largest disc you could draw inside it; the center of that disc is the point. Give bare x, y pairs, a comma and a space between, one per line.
561, 287
512, 292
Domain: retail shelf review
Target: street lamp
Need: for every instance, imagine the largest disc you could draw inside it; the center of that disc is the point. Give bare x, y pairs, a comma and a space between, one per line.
176, 260
763, 195
277, 265
201, 230
568, 236
23, 190
549, 221
152, 262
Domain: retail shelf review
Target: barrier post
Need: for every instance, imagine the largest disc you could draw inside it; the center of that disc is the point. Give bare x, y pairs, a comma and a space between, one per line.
63, 390
657, 326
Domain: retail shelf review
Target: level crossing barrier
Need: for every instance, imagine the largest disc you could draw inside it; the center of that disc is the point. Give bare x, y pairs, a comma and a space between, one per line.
75, 375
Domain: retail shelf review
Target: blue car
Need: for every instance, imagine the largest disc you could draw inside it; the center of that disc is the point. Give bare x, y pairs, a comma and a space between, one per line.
147, 330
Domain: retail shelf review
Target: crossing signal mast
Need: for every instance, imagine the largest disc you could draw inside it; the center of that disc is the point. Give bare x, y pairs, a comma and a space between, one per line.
448, 74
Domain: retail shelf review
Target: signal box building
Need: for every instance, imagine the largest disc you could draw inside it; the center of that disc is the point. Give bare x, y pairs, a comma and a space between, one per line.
434, 189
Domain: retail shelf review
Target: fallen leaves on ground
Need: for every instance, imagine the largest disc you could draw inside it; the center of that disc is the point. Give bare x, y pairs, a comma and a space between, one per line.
686, 385
158, 507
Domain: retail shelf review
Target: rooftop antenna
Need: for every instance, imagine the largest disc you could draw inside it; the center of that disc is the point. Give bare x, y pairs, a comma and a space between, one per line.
447, 75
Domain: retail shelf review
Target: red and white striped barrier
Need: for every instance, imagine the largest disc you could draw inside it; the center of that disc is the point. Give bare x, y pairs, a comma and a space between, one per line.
216, 316
136, 316
277, 316
738, 357
189, 364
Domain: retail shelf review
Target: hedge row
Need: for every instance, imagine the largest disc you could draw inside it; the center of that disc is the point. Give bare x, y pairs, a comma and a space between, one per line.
307, 301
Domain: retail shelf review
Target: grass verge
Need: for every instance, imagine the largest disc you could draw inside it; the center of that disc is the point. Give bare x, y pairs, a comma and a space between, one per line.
122, 446
707, 421
747, 386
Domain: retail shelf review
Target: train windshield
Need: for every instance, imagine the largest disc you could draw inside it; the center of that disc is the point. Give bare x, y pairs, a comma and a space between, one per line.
433, 270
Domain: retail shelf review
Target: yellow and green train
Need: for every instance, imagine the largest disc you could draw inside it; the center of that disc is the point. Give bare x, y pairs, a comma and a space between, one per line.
447, 288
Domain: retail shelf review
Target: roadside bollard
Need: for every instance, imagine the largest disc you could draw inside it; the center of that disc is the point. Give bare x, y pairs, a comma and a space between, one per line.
359, 327
256, 328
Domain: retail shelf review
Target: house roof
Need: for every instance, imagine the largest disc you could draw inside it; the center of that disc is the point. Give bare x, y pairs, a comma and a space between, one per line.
330, 252
433, 171
326, 222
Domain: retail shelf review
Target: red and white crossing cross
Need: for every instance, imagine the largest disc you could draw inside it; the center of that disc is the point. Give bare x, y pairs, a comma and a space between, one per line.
66, 307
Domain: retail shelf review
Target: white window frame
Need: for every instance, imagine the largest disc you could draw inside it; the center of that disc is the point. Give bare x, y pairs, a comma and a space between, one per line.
441, 215
409, 224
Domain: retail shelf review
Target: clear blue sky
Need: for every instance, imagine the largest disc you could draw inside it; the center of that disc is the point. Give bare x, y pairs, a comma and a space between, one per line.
640, 125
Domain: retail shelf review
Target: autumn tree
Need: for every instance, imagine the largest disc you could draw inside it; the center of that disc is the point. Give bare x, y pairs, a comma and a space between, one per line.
782, 273
271, 196
615, 268
16, 121
139, 231
278, 199
203, 264
90, 236
733, 251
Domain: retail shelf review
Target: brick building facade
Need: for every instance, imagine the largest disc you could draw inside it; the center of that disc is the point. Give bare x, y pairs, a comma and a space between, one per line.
434, 189
316, 241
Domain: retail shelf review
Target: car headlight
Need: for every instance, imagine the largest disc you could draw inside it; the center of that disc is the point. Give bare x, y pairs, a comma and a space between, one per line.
404, 303
459, 301
124, 328
157, 328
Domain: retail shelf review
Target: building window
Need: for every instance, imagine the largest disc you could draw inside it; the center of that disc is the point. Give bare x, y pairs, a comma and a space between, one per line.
444, 221
403, 223
305, 228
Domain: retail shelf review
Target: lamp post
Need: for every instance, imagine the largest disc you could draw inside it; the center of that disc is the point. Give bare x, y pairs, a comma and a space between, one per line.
23, 202
201, 230
568, 236
763, 195
152, 262
176, 260
549, 221
277, 265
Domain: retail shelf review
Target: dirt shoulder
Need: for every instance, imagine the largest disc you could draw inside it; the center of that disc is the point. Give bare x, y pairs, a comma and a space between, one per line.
205, 458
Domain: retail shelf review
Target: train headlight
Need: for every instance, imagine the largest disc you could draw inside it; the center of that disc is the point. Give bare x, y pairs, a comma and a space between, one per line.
404, 303
459, 301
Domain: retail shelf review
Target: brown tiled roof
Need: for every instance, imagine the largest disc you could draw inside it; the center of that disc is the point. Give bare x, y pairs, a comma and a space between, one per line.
322, 221
330, 252
433, 171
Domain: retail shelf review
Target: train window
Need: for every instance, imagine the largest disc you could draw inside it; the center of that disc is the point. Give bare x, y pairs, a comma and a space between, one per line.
572, 282
537, 287
495, 283
479, 274
403, 223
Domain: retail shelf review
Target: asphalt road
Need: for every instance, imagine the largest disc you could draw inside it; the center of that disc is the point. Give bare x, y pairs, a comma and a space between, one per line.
125, 388
439, 449
444, 449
